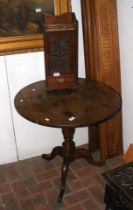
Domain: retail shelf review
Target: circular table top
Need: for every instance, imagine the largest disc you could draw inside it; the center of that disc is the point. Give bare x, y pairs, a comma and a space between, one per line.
90, 104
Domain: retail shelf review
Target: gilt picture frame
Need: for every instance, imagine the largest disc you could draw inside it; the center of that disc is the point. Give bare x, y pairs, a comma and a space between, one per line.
26, 36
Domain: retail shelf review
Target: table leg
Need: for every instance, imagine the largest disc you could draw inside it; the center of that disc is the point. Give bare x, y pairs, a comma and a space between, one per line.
69, 154
68, 148
65, 168
86, 154
56, 151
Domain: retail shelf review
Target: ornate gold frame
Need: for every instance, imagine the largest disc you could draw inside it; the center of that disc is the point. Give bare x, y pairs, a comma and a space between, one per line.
30, 43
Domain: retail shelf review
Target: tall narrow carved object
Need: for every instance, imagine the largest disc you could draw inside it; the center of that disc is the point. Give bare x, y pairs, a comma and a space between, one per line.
103, 64
61, 51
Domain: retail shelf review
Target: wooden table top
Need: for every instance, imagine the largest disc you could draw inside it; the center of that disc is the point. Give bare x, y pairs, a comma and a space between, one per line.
90, 104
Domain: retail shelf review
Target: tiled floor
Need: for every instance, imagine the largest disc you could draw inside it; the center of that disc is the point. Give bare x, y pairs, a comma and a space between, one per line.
33, 184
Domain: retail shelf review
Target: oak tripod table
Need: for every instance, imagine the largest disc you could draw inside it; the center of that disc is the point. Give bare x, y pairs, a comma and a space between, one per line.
89, 104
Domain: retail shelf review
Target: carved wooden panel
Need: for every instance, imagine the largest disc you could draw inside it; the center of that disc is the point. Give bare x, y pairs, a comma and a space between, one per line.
60, 54
102, 64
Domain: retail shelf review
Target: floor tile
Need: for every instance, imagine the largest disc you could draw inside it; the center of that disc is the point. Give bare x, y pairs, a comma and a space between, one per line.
34, 184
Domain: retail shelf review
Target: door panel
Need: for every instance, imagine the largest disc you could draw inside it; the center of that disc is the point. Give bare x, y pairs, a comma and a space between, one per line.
8, 152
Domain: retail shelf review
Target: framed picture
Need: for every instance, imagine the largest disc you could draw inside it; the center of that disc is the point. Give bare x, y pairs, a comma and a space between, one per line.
21, 23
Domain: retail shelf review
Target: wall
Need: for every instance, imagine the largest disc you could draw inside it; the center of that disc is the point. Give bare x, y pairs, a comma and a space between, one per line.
125, 19
21, 138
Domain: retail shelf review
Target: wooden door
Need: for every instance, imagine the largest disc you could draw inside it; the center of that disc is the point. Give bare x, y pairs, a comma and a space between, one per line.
103, 64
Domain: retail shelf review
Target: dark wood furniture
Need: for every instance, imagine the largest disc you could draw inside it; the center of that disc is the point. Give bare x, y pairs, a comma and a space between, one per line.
102, 62
90, 104
119, 188
61, 51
